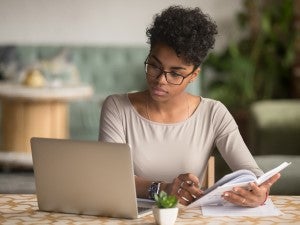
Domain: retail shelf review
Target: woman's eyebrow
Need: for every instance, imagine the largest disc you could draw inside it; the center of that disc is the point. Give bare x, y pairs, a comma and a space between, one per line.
173, 67
156, 59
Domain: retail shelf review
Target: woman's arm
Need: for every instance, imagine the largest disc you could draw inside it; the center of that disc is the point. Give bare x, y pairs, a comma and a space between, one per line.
112, 130
236, 154
185, 187
142, 187
230, 142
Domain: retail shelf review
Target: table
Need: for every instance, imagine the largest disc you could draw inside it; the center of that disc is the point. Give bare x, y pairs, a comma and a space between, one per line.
28, 112
22, 209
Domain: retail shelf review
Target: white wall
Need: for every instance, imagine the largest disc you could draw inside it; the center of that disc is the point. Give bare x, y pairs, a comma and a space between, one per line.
102, 22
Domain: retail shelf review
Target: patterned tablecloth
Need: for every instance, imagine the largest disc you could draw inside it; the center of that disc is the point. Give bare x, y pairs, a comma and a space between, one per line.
22, 209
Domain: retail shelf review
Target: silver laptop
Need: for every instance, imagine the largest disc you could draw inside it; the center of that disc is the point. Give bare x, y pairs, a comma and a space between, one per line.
85, 177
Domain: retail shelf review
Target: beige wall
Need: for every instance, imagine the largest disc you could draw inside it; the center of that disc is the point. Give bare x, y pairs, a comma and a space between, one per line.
112, 22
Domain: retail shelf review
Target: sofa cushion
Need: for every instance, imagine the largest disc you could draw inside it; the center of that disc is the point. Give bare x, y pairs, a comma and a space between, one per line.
275, 127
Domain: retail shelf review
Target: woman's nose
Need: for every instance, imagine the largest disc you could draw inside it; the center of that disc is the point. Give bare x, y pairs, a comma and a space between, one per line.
162, 78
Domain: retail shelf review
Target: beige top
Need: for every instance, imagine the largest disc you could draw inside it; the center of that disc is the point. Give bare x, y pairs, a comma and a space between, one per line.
163, 151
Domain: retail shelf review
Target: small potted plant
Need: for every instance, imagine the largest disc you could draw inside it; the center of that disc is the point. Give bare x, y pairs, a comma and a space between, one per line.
165, 211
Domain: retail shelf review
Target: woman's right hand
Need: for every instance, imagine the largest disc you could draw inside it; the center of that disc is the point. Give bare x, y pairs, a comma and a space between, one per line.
186, 187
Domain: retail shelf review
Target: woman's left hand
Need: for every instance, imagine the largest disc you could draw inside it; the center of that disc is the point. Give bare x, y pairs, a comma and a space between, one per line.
255, 196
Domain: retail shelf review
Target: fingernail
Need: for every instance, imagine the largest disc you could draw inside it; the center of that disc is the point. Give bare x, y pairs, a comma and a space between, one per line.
190, 183
226, 195
250, 186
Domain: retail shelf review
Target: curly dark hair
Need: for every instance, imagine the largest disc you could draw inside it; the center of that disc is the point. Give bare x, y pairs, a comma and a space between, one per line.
189, 31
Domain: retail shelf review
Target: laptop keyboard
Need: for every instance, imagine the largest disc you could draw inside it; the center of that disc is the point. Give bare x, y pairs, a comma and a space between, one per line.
144, 206
143, 209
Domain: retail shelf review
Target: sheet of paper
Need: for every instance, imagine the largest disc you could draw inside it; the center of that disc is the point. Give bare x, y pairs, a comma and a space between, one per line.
268, 209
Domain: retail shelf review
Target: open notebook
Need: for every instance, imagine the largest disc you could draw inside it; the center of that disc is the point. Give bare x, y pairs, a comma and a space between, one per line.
239, 178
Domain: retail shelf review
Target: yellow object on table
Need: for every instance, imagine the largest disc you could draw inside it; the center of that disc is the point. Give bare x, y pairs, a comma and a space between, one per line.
34, 78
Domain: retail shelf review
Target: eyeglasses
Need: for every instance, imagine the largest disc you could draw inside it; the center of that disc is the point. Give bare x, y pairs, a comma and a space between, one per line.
172, 77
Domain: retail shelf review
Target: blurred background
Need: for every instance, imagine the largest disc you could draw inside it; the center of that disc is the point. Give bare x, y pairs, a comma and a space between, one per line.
59, 59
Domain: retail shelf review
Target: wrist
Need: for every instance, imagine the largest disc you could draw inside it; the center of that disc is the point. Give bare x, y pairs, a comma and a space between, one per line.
164, 187
154, 188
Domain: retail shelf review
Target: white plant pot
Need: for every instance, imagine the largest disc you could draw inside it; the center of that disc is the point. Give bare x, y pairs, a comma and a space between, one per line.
165, 216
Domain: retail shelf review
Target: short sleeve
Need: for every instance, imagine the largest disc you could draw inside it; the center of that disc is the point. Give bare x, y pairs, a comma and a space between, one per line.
111, 127
222, 120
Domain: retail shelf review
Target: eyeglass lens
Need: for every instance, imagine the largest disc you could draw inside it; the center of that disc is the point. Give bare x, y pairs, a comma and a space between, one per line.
155, 72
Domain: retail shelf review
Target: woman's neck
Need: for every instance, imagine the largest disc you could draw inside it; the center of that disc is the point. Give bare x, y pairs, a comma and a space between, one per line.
173, 111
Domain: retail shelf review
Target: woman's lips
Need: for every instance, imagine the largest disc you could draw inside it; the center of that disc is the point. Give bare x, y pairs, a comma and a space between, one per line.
159, 91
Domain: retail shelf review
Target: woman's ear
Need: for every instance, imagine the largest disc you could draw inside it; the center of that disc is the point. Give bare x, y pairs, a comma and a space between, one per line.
195, 74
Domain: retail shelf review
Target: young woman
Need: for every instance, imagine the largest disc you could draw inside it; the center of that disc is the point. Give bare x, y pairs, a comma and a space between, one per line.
171, 132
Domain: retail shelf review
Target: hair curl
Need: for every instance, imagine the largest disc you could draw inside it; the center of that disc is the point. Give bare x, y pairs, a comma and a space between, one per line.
189, 31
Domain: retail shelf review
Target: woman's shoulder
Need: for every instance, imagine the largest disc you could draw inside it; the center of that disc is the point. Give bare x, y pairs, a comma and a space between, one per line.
212, 104
137, 100
126, 99
218, 111
114, 97
115, 100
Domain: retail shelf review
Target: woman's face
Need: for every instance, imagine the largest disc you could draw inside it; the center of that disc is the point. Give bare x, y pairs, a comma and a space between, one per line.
162, 57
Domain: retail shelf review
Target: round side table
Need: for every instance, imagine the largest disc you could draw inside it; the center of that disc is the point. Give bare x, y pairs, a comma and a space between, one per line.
36, 112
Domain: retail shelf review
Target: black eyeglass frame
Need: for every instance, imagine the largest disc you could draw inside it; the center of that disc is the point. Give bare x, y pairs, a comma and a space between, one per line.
163, 72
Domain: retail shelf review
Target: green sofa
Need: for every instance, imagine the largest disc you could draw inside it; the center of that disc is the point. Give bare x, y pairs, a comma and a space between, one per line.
275, 127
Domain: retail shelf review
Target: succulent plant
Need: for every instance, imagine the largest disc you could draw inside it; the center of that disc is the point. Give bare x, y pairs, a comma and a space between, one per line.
163, 200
